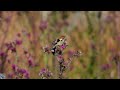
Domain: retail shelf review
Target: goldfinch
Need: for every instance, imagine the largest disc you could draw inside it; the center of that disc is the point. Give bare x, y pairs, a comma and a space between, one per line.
58, 42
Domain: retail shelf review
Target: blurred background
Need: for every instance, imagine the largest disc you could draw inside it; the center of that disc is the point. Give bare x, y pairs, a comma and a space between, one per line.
95, 33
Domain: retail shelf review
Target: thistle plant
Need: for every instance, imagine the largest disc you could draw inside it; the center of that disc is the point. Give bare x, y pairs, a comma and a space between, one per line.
18, 73
57, 49
45, 74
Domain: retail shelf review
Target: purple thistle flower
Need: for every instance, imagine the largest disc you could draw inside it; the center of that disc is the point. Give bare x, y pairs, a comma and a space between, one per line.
43, 70
22, 71
45, 73
14, 67
74, 54
60, 58
2, 54
30, 62
63, 46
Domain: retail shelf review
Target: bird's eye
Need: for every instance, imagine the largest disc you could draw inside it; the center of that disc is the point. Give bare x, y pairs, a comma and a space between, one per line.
60, 39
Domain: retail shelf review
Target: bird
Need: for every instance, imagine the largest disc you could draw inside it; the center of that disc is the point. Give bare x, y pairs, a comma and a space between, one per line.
58, 42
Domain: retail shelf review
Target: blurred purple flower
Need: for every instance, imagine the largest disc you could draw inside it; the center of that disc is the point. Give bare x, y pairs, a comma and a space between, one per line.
108, 19
18, 42
14, 67
11, 46
45, 73
10, 75
42, 71
105, 66
63, 46
43, 25
22, 71
27, 75
9, 61
74, 54
30, 62
70, 53
3, 54
8, 19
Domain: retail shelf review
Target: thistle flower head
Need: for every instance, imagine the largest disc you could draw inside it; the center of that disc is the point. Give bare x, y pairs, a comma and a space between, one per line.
45, 73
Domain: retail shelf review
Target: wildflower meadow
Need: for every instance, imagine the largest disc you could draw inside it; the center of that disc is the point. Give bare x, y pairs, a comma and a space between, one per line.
59, 45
